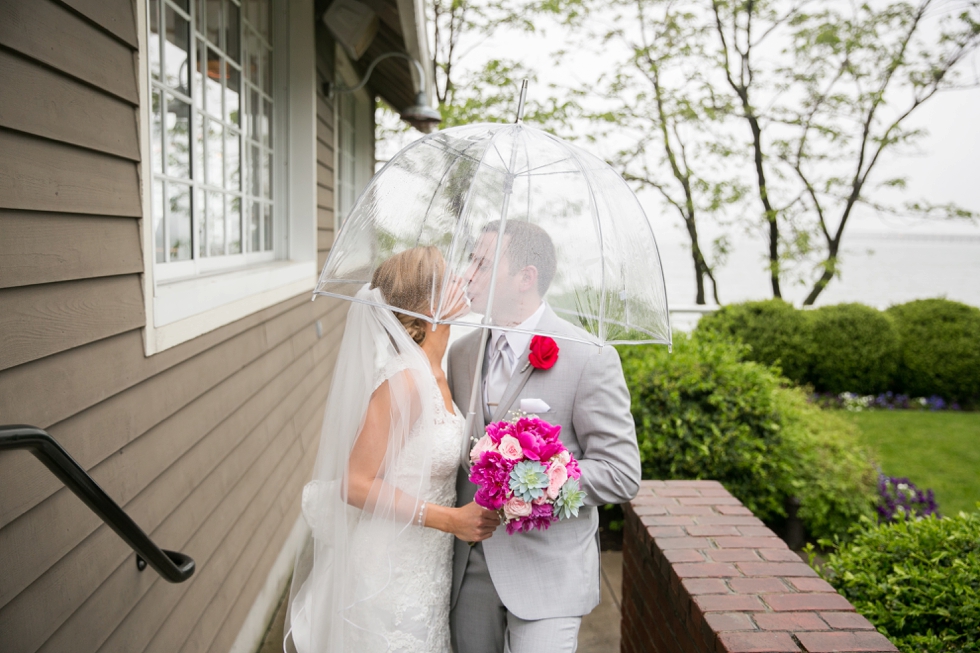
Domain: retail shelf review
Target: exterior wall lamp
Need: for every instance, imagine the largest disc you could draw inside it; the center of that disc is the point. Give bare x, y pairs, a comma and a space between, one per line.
419, 115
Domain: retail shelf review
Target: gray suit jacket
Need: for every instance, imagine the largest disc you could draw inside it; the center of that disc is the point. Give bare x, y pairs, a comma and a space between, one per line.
555, 573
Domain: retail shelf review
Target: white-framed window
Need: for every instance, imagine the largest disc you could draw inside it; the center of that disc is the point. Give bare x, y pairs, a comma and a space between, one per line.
228, 110
355, 140
213, 139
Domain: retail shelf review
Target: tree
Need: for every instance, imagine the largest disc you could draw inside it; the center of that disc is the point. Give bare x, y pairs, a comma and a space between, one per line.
663, 109
822, 122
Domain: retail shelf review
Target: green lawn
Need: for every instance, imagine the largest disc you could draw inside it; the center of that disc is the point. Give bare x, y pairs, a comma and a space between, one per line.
934, 450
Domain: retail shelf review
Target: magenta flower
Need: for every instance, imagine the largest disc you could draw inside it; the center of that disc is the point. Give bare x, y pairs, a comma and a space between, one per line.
492, 474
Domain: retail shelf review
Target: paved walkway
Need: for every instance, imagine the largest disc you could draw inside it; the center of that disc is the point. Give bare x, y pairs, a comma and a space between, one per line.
600, 629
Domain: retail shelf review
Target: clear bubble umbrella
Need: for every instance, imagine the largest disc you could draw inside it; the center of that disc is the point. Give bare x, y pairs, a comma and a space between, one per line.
448, 189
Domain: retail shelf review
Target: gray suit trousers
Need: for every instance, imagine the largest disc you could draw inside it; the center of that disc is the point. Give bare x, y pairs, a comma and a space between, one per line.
482, 624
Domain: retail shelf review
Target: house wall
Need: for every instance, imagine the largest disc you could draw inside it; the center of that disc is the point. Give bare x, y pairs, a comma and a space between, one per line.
207, 444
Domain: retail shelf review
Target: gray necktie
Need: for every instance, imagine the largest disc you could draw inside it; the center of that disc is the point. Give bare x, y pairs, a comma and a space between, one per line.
498, 373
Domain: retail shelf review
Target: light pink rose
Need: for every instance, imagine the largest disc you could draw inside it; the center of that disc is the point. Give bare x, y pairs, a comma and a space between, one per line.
557, 476
543, 499
517, 508
485, 444
510, 448
564, 457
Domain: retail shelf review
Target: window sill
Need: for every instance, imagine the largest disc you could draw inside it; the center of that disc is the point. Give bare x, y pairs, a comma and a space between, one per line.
183, 310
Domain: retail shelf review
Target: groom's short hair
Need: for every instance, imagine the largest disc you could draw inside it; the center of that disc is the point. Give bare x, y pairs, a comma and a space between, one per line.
529, 245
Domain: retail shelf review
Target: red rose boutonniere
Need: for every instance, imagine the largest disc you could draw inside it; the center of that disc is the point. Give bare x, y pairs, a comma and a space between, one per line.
543, 353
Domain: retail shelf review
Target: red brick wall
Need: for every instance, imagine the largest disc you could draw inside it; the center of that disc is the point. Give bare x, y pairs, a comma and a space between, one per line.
703, 575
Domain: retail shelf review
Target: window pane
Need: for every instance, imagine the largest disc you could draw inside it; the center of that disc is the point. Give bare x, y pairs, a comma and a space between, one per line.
232, 93
200, 75
214, 84
267, 169
156, 132
232, 30
214, 21
183, 4
266, 57
254, 108
178, 138
176, 50
234, 224
251, 58
254, 228
268, 227
199, 159
267, 112
255, 171
215, 166
233, 160
265, 20
199, 18
202, 223
265, 124
216, 224
157, 203
154, 45
179, 221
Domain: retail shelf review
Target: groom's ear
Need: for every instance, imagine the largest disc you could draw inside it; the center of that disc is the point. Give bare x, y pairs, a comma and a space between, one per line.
529, 278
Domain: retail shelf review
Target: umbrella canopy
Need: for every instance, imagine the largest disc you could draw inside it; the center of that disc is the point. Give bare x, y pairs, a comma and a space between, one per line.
451, 188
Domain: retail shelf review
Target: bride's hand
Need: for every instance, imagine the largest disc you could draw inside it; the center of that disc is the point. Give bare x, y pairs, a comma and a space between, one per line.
473, 523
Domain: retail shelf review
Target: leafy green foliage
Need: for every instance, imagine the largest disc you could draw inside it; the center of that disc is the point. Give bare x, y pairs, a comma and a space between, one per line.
917, 581
854, 348
705, 412
777, 334
832, 473
940, 349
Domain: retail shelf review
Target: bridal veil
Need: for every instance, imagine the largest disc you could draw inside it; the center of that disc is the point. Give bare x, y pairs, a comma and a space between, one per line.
355, 532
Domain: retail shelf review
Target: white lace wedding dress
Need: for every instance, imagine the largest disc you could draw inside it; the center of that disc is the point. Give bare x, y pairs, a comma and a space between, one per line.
406, 609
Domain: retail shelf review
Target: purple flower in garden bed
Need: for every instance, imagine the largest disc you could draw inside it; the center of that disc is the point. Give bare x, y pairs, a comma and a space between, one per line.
884, 401
899, 498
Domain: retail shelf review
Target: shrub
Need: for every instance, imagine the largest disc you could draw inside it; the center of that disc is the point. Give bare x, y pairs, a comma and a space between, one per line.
855, 349
704, 412
832, 473
940, 349
917, 581
777, 334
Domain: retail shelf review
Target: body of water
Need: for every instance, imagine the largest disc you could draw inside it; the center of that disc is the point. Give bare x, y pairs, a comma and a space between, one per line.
877, 269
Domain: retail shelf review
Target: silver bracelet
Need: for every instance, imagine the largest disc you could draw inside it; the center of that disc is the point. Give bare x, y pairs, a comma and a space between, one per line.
421, 521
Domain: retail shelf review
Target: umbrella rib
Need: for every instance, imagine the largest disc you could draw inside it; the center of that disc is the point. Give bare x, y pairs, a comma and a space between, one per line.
463, 212
602, 254
546, 165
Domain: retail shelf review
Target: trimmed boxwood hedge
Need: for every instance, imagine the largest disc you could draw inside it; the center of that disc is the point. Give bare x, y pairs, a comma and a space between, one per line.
854, 349
940, 349
917, 581
704, 412
924, 348
776, 333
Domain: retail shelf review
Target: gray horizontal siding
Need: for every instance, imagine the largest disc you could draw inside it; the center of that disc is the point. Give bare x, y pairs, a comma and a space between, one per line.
207, 444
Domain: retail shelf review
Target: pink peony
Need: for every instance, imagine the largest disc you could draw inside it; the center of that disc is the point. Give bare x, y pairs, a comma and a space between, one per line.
516, 507
510, 448
573, 469
492, 474
485, 444
557, 476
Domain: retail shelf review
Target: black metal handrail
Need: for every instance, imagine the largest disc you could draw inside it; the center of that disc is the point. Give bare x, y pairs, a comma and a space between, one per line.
175, 567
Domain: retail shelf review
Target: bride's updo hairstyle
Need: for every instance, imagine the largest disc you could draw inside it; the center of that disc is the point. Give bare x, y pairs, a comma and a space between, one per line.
406, 281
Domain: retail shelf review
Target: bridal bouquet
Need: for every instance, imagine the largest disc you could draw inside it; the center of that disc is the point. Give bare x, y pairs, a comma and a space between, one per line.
525, 472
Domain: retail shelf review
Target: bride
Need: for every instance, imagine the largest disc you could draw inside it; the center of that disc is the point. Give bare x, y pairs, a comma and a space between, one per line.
376, 575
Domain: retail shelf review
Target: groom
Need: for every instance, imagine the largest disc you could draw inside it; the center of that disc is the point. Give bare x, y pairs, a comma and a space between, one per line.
527, 593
